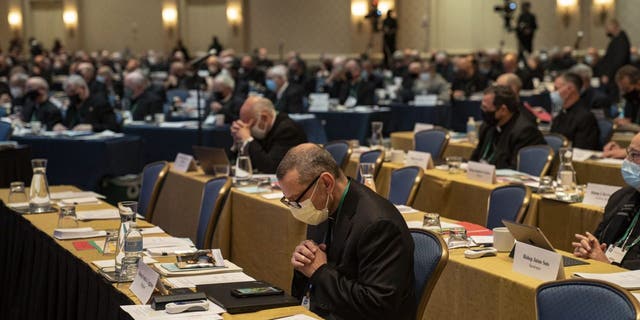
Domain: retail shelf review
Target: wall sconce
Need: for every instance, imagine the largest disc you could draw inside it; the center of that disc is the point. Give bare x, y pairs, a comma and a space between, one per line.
70, 19
604, 6
15, 20
566, 7
384, 6
170, 18
234, 17
358, 12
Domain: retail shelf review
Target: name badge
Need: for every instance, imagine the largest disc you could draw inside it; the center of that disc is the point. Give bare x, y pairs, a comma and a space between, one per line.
615, 254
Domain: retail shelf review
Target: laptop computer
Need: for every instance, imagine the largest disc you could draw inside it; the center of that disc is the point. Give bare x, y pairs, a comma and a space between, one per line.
220, 294
209, 157
535, 237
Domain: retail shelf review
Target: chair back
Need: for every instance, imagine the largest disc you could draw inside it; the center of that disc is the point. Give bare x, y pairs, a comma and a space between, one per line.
556, 141
606, 130
535, 160
404, 184
433, 141
585, 299
340, 151
5, 131
153, 176
430, 255
508, 202
214, 195
373, 156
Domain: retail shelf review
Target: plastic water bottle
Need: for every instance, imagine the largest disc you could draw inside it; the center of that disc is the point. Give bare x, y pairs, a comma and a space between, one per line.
472, 133
132, 252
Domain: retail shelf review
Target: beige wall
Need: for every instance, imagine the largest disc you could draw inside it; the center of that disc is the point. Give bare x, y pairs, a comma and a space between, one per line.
313, 27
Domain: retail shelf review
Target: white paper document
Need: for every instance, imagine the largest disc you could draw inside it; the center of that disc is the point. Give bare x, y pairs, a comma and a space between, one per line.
273, 195
405, 209
151, 230
112, 263
144, 312
627, 279
77, 233
193, 281
82, 200
166, 242
103, 214
74, 194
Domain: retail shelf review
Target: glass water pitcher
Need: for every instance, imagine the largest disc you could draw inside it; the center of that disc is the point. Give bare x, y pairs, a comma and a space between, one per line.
39, 200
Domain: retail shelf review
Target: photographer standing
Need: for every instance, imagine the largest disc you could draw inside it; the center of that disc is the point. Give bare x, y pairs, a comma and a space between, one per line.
525, 29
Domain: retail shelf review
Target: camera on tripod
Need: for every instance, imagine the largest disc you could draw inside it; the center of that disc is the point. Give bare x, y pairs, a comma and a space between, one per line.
506, 10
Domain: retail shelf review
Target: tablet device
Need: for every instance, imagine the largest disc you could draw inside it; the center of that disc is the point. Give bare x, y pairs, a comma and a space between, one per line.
209, 157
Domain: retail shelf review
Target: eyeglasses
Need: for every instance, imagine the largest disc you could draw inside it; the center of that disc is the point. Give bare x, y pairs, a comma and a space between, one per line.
296, 204
633, 155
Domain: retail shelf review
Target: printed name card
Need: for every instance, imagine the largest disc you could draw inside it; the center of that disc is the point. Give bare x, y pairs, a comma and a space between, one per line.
422, 126
184, 163
417, 158
598, 194
538, 263
144, 282
481, 172
426, 100
319, 102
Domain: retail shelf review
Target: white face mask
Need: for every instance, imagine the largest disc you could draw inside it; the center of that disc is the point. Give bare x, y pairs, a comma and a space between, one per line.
258, 133
308, 212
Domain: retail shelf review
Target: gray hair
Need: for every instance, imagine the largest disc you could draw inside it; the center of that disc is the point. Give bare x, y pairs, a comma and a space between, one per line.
278, 71
225, 79
512, 80
39, 82
310, 160
75, 81
136, 79
583, 70
263, 104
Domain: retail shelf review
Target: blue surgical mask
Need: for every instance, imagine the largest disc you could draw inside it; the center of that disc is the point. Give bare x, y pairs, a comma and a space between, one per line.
271, 85
631, 173
556, 99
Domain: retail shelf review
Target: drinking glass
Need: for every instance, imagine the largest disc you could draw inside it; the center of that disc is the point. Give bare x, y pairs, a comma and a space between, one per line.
221, 170
366, 174
39, 200
454, 163
17, 194
545, 185
458, 238
244, 171
36, 127
376, 134
431, 222
67, 217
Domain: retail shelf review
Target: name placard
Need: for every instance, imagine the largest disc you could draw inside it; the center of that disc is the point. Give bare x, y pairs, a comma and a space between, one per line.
538, 263
598, 194
425, 100
418, 158
144, 282
184, 163
481, 172
319, 102
422, 126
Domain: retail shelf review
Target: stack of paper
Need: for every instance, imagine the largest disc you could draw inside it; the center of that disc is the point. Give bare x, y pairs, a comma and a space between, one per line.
83, 200
144, 312
193, 281
78, 233
628, 279
162, 246
171, 269
103, 214
405, 209
112, 263
74, 194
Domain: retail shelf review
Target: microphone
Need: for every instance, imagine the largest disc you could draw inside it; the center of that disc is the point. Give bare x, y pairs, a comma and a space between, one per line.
197, 61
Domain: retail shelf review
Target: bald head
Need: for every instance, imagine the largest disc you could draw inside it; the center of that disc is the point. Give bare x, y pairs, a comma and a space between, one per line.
305, 162
510, 63
510, 80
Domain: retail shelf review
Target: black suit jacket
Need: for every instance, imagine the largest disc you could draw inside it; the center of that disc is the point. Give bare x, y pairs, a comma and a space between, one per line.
291, 100
500, 147
230, 108
47, 113
369, 270
95, 111
579, 126
592, 98
618, 54
365, 92
147, 103
267, 153
622, 206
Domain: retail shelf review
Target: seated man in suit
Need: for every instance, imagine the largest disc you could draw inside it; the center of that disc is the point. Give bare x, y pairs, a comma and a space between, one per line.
86, 111
358, 260
286, 96
354, 90
88, 73
265, 136
618, 229
593, 99
143, 101
510, 65
504, 131
222, 100
467, 80
512, 81
628, 81
574, 121
37, 106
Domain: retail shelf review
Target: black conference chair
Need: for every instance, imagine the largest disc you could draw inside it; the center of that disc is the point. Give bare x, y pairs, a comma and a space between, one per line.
508, 202
404, 185
430, 256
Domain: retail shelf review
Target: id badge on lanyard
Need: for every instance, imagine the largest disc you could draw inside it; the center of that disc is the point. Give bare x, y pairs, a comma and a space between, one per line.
616, 254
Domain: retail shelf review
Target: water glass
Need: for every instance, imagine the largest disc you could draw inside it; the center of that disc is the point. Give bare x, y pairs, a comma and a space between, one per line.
454, 163
128, 211
129, 268
545, 185
458, 238
36, 127
67, 217
431, 222
244, 170
221, 170
17, 193
376, 133
110, 242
